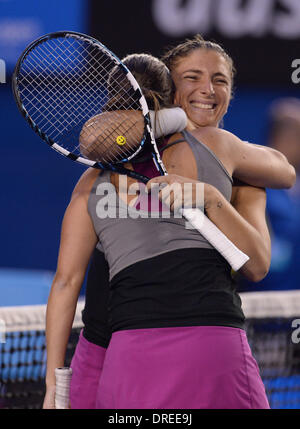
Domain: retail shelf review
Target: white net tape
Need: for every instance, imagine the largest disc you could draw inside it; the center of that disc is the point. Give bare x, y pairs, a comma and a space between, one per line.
261, 305
31, 317
256, 305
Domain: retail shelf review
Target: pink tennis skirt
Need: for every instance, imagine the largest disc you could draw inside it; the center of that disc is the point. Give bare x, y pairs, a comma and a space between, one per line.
86, 366
197, 367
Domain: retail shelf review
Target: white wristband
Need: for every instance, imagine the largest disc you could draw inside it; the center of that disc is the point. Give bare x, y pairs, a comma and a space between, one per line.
168, 121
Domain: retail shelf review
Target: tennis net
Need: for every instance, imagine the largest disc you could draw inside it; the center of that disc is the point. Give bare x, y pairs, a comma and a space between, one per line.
273, 329
23, 354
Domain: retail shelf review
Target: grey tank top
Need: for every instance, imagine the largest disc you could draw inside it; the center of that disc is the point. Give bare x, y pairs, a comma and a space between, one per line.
127, 235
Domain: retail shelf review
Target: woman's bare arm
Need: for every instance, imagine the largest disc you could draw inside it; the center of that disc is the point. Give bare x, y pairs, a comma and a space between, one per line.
244, 223
262, 166
250, 203
256, 165
78, 239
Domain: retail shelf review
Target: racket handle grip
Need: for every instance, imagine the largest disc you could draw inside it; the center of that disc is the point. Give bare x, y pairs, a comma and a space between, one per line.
234, 256
62, 388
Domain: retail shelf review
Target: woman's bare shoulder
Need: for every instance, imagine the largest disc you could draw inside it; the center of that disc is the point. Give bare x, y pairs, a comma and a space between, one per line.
213, 134
85, 182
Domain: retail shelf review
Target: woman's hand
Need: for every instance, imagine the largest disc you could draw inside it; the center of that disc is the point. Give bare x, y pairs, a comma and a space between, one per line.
49, 400
179, 192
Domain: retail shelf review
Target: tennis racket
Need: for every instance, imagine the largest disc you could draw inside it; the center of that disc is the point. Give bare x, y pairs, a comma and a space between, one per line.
62, 387
86, 104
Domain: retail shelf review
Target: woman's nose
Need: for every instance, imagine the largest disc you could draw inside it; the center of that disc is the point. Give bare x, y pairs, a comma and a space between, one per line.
206, 87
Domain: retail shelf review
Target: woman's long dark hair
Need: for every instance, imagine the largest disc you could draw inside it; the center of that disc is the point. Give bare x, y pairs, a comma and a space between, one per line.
151, 74
154, 79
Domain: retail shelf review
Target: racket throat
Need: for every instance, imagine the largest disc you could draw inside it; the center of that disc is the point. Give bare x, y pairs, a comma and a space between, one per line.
159, 167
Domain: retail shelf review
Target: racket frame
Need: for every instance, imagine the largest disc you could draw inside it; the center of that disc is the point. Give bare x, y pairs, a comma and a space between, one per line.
119, 168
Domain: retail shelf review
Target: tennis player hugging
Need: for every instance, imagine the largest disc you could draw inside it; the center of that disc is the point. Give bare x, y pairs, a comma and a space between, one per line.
163, 322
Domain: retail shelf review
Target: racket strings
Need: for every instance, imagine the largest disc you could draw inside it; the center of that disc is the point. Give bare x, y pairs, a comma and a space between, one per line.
99, 136
64, 83
38, 114
53, 102
98, 139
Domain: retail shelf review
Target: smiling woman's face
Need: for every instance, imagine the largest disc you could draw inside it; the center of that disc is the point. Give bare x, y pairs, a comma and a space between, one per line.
203, 86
